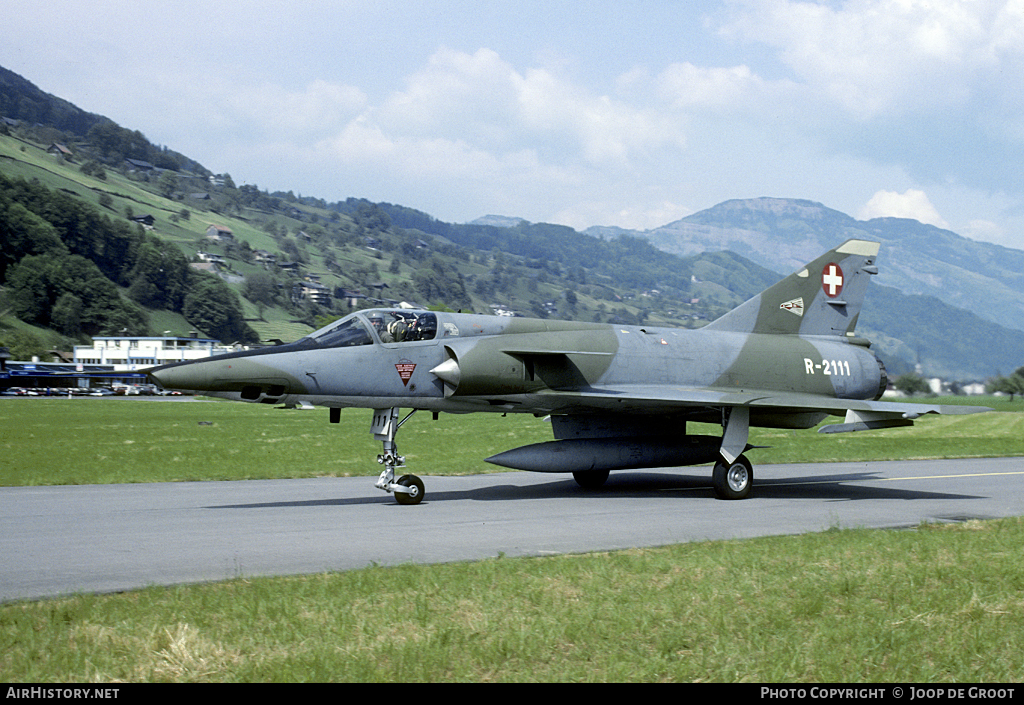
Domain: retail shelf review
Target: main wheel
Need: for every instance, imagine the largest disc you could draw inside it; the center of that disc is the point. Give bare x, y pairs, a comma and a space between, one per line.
591, 479
733, 480
415, 485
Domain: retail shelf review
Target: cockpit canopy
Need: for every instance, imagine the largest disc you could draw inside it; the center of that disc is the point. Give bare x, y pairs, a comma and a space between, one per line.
388, 326
402, 325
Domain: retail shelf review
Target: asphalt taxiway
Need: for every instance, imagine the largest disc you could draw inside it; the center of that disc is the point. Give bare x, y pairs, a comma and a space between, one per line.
103, 538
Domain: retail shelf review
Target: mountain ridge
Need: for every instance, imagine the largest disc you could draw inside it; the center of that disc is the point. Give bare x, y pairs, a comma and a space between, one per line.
916, 258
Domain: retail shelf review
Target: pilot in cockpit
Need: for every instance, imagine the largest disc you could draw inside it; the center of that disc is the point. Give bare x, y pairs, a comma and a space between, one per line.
377, 321
399, 330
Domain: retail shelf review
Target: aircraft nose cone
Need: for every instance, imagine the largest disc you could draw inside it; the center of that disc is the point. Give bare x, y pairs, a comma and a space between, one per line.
189, 376
246, 373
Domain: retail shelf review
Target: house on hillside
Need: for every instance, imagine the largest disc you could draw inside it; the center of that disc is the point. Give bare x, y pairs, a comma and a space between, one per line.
220, 233
315, 292
354, 297
139, 165
218, 260
263, 257
146, 220
61, 151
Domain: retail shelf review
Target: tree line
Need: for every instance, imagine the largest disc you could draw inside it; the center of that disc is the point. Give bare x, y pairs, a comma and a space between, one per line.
1012, 384
63, 262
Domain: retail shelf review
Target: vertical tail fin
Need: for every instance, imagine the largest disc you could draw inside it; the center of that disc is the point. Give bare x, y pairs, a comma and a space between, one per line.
823, 298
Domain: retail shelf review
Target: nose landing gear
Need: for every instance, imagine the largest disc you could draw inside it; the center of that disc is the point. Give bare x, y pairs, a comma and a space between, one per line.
408, 489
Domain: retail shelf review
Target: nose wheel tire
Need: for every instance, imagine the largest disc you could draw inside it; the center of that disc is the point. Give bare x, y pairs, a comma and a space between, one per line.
415, 493
733, 480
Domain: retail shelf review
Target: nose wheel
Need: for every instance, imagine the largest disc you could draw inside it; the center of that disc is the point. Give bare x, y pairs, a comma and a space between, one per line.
408, 489
413, 490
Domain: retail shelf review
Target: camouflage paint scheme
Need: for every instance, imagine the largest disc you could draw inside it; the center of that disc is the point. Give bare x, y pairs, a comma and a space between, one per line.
618, 396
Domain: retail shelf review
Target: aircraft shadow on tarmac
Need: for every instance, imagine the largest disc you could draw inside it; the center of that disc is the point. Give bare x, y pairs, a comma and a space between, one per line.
638, 485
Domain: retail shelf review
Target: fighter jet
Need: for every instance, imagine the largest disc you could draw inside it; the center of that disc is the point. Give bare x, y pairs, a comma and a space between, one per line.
618, 397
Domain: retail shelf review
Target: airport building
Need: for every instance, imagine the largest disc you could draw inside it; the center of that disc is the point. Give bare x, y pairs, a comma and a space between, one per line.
131, 353
110, 360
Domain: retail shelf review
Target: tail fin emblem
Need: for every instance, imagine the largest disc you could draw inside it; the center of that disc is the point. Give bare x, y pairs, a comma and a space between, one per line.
794, 306
832, 280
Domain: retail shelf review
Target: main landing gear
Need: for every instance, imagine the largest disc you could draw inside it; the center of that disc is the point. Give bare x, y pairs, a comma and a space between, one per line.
732, 480
408, 489
733, 475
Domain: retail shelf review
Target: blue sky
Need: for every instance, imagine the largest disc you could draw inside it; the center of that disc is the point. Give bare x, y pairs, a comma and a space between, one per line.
629, 113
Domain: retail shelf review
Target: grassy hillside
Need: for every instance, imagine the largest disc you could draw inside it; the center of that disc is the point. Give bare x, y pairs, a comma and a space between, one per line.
178, 219
353, 247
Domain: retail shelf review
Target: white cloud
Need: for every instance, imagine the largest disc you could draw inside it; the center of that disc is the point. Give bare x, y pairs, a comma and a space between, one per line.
888, 56
687, 86
469, 96
912, 204
471, 129
317, 110
988, 231
484, 100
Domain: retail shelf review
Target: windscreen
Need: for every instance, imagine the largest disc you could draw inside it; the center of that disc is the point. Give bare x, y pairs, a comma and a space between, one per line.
345, 333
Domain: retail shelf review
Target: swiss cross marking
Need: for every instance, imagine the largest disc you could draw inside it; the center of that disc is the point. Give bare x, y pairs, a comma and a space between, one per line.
832, 280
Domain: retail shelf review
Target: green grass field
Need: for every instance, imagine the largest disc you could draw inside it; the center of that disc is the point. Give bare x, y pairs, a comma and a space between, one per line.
937, 605
61, 441
942, 603
97, 441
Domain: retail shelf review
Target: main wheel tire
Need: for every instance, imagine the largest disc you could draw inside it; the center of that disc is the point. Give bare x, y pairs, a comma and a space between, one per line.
591, 479
415, 484
733, 480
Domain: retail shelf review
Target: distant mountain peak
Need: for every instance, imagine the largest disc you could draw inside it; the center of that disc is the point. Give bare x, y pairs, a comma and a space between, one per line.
755, 210
781, 233
498, 221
